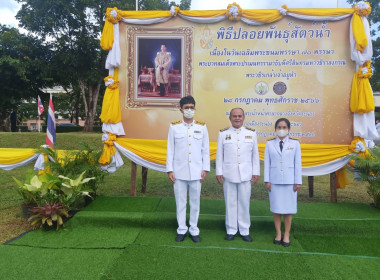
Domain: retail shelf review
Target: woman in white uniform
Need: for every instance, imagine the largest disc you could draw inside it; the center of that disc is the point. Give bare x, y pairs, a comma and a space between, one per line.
283, 178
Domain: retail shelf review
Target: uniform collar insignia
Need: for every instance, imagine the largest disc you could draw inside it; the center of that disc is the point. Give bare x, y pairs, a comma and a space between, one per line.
176, 122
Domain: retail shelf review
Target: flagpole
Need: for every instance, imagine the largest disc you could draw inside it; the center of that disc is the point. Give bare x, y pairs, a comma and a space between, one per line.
39, 124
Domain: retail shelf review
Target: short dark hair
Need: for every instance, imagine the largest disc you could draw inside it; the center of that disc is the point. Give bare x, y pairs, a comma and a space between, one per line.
186, 100
282, 120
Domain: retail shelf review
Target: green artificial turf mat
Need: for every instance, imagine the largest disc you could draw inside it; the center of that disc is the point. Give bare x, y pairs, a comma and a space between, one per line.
329, 241
99, 230
124, 204
17, 262
341, 245
354, 228
212, 233
160, 262
337, 211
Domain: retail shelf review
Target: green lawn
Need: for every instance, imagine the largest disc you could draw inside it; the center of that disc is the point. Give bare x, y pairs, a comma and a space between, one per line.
133, 238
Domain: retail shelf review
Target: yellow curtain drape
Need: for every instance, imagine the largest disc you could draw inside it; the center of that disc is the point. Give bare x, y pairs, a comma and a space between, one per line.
326, 12
13, 155
10, 156
108, 150
264, 15
361, 100
358, 26
260, 15
144, 14
111, 112
47, 168
312, 154
106, 40
203, 14
359, 32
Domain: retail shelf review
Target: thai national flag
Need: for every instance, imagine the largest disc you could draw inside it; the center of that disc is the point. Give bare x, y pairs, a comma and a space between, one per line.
50, 130
41, 108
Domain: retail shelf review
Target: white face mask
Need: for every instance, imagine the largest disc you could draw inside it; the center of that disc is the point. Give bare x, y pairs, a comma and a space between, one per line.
282, 132
188, 113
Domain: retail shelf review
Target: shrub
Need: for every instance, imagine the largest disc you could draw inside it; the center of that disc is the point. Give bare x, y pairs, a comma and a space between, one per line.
76, 162
49, 215
368, 168
65, 129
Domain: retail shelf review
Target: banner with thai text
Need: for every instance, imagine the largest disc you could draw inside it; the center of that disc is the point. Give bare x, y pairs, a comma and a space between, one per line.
300, 70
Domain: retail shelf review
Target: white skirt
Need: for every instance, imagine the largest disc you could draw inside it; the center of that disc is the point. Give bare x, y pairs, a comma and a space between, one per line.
283, 199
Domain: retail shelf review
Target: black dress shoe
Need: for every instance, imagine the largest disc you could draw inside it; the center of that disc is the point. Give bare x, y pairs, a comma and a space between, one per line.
195, 238
180, 237
230, 237
247, 238
285, 244
277, 242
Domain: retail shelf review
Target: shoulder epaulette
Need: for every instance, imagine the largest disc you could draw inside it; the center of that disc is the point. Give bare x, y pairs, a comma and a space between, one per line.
250, 128
176, 122
200, 123
294, 138
270, 139
224, 129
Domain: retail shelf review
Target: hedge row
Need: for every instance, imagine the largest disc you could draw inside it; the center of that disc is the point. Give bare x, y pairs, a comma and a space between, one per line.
62, 129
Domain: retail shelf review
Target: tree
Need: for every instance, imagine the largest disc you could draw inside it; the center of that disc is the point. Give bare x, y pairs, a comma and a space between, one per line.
72, 29
23, 69
162, 4
374, 19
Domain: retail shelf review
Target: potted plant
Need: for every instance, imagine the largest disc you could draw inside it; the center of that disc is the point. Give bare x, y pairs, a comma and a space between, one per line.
49, 216
33, 190
52, 197
368, 167
75, 189
75, 163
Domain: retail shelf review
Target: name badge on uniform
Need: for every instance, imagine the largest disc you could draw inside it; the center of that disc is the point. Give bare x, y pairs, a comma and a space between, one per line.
197, 131
248, 137
289, 148
228, 137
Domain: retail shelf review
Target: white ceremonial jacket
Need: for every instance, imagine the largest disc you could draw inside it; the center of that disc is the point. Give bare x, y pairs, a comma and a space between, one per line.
188, 150
237, 155
283, 167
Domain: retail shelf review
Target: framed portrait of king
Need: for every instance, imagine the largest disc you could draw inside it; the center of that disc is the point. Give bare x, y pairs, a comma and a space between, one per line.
159, 66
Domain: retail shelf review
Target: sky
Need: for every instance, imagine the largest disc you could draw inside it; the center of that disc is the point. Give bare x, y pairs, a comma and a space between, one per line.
267, 4
9, 8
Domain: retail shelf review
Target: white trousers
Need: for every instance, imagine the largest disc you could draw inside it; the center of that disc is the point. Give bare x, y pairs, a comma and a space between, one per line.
180, 193
237, 197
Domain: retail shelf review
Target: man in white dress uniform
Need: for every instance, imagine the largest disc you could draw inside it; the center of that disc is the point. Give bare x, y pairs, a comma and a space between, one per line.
187, 164
237, 166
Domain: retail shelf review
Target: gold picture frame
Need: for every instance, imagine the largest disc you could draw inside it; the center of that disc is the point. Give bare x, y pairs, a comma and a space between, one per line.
163, 35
